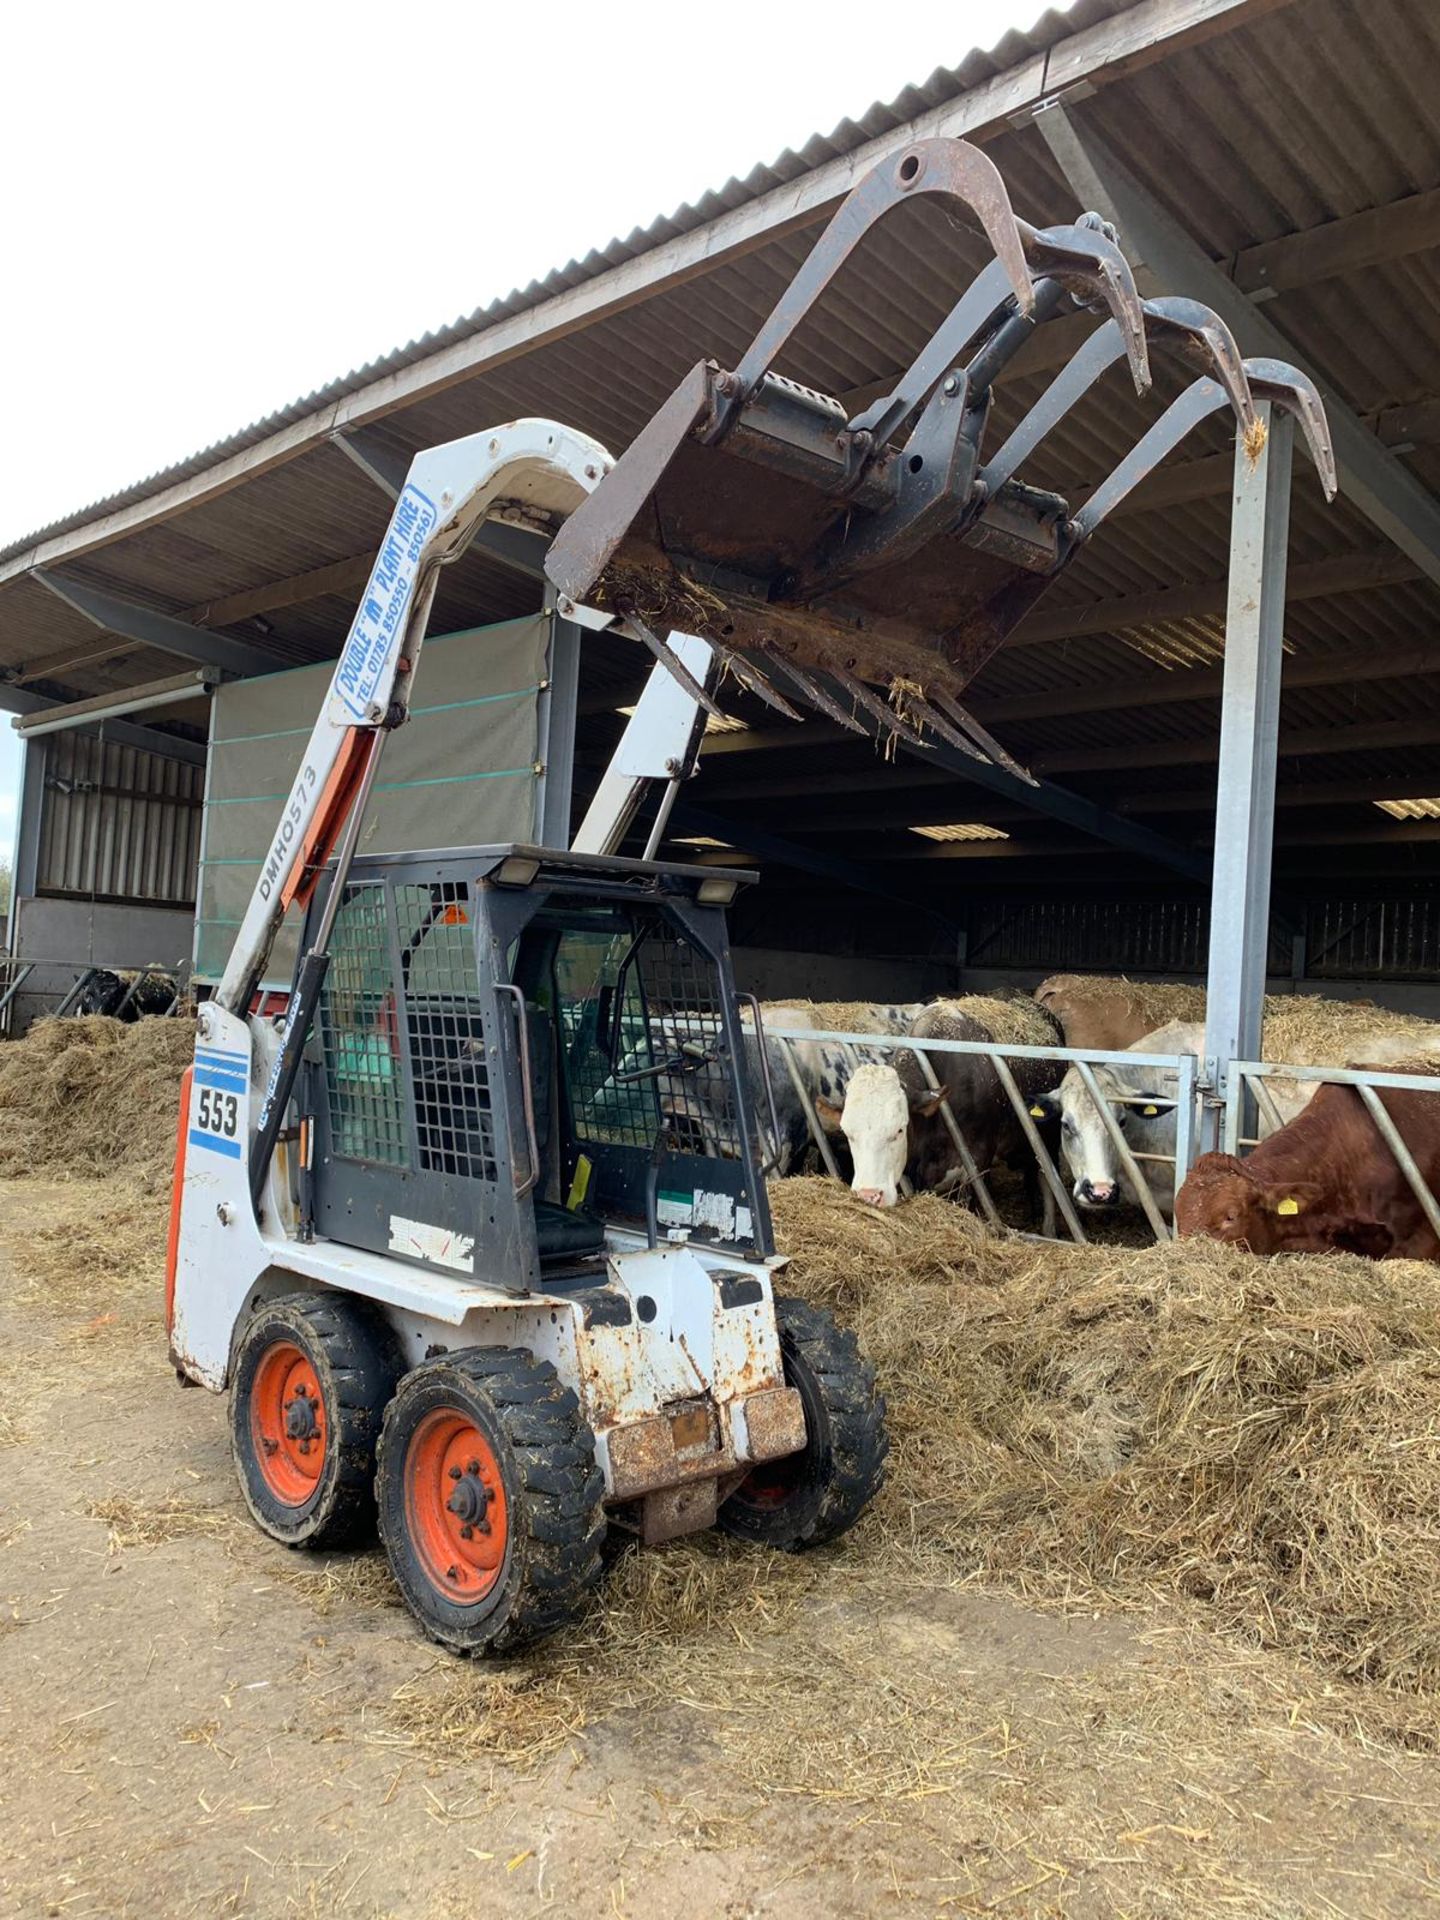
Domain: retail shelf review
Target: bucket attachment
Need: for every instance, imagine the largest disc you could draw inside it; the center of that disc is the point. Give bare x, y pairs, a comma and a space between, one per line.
871, 565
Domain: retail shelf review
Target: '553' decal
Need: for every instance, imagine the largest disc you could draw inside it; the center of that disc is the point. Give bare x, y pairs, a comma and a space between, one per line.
217, 1118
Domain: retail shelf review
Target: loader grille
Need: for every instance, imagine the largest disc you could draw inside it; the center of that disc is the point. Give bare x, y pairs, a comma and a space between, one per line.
358, 1031
454, 1125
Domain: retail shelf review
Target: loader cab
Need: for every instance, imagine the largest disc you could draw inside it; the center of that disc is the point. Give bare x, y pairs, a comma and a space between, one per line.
521, 1057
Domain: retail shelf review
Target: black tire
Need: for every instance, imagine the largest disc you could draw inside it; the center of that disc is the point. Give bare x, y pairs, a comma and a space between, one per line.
817, 1494
525, 1427
303, 1491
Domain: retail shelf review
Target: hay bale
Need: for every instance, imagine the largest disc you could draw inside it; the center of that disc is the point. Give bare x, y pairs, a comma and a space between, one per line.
92, 1094
1104, 1424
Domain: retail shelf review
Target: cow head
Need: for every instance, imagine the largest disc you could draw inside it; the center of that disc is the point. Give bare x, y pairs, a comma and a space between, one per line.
876, 1122
1085, 1140
1223, 1199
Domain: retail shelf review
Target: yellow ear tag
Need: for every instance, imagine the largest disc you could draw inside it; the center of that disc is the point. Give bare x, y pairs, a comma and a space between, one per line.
1037, 1113
1150, 1112
1288, 1205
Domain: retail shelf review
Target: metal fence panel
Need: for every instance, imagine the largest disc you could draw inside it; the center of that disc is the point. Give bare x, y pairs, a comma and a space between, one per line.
1251, 1075
1184, 1066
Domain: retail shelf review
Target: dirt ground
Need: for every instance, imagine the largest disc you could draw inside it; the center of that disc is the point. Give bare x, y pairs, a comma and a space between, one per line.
196, 1722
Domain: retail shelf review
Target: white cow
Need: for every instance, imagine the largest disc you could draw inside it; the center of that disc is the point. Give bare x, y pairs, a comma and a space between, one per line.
698, 1101
891, 1114
1143, 1103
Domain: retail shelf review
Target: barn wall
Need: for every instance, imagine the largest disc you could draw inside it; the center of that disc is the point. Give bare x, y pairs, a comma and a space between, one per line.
777, 975
82, 932
118, 823
1387, 932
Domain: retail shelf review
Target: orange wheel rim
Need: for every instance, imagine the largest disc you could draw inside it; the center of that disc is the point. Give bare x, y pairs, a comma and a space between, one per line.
287, 1423
455, 1506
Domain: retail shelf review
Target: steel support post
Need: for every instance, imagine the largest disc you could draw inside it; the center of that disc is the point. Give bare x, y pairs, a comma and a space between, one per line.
30, 826
558, 706
1249, 730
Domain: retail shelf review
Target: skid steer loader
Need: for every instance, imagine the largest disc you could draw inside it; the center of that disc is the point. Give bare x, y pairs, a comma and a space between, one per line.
477, 1237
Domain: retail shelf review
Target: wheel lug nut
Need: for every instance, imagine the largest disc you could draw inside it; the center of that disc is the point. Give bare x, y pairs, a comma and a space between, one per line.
467, 1533
474, 1467
452, 1573
484, 1526
455, 1473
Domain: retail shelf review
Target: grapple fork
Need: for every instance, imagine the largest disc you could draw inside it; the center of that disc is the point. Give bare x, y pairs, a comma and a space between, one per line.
872, 564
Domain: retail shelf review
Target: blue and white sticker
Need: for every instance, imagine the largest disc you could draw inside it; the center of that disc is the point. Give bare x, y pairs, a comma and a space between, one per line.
217, 1110
370, 646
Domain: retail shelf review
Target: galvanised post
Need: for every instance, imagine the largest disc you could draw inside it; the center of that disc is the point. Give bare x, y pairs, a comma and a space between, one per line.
1249, 728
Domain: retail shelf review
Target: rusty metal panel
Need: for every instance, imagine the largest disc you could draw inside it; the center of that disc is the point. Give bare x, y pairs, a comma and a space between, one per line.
117, 823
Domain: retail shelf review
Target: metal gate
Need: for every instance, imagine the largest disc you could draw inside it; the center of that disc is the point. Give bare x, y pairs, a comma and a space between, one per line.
860, 1046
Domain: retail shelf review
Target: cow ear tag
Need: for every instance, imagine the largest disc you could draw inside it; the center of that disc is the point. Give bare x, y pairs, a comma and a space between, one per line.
1037, 1113
1150, 1112
1288, 1205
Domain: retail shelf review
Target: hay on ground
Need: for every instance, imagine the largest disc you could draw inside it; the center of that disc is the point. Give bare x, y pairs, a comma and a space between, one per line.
87, 1095
1260, 1437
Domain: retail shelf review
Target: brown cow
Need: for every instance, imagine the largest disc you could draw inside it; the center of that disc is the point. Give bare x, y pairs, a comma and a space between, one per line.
1103, 1015
1325, 1183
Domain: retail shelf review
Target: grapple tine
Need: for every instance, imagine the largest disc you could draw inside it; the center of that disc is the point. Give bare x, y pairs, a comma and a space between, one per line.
1075, 260
1183, 327
754, 681
635, 628
1200, 336
983, 302
1199, 400
1070, 385
1085, 255
878, 709
1296, 392
982, 738
951, 169
816, 694
924, 714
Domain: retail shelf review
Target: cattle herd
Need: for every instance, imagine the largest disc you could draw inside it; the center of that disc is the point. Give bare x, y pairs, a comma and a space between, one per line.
1321, 1179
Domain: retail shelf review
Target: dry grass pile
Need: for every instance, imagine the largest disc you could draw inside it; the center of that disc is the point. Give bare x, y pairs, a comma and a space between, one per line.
837, 1016
85, 1245
1157, 1002
1116, 1424
1309, 1031
89, 1095
1015, 1022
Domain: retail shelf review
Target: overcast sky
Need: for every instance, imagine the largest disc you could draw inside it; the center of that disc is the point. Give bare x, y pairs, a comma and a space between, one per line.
212, 211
